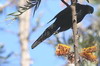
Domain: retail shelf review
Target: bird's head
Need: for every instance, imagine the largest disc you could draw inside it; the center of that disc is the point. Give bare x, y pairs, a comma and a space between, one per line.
90, 9
86, 8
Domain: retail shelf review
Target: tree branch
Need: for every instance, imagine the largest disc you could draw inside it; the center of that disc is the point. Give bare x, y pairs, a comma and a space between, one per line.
65, 3
75, 35
6, 4
8, 31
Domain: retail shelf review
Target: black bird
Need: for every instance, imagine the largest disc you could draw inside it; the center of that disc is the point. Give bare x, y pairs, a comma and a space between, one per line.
64, 21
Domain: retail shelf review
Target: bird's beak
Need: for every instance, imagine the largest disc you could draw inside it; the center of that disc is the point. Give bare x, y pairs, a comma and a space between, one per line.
91, 10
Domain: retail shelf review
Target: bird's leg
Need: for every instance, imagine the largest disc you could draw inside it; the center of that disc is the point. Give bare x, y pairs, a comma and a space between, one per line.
65, 3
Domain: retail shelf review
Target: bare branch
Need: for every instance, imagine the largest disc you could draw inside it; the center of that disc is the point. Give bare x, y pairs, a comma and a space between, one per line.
5, 5
75, 31
64, 38
9, 31
65, 3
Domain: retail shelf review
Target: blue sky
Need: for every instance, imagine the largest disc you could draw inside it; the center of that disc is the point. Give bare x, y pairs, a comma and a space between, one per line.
42, 55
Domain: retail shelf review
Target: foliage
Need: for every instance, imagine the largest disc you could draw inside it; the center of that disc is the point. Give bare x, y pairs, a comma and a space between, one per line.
2, 58
96, 1
22, 9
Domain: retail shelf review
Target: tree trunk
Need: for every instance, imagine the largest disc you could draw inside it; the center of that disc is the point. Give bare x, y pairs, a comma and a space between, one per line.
23, 35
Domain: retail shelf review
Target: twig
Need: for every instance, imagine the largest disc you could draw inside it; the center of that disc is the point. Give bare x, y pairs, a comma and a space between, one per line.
57, 39
64, 38
5, 5
9, 31
65, 3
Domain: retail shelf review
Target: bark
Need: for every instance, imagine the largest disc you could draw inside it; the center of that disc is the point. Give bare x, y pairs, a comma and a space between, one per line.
75, 32
75, 35
23, 35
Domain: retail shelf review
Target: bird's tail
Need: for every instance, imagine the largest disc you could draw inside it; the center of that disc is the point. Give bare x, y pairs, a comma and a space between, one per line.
47, 33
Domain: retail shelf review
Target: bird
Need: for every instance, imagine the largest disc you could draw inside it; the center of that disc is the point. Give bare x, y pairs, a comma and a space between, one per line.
63, 21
